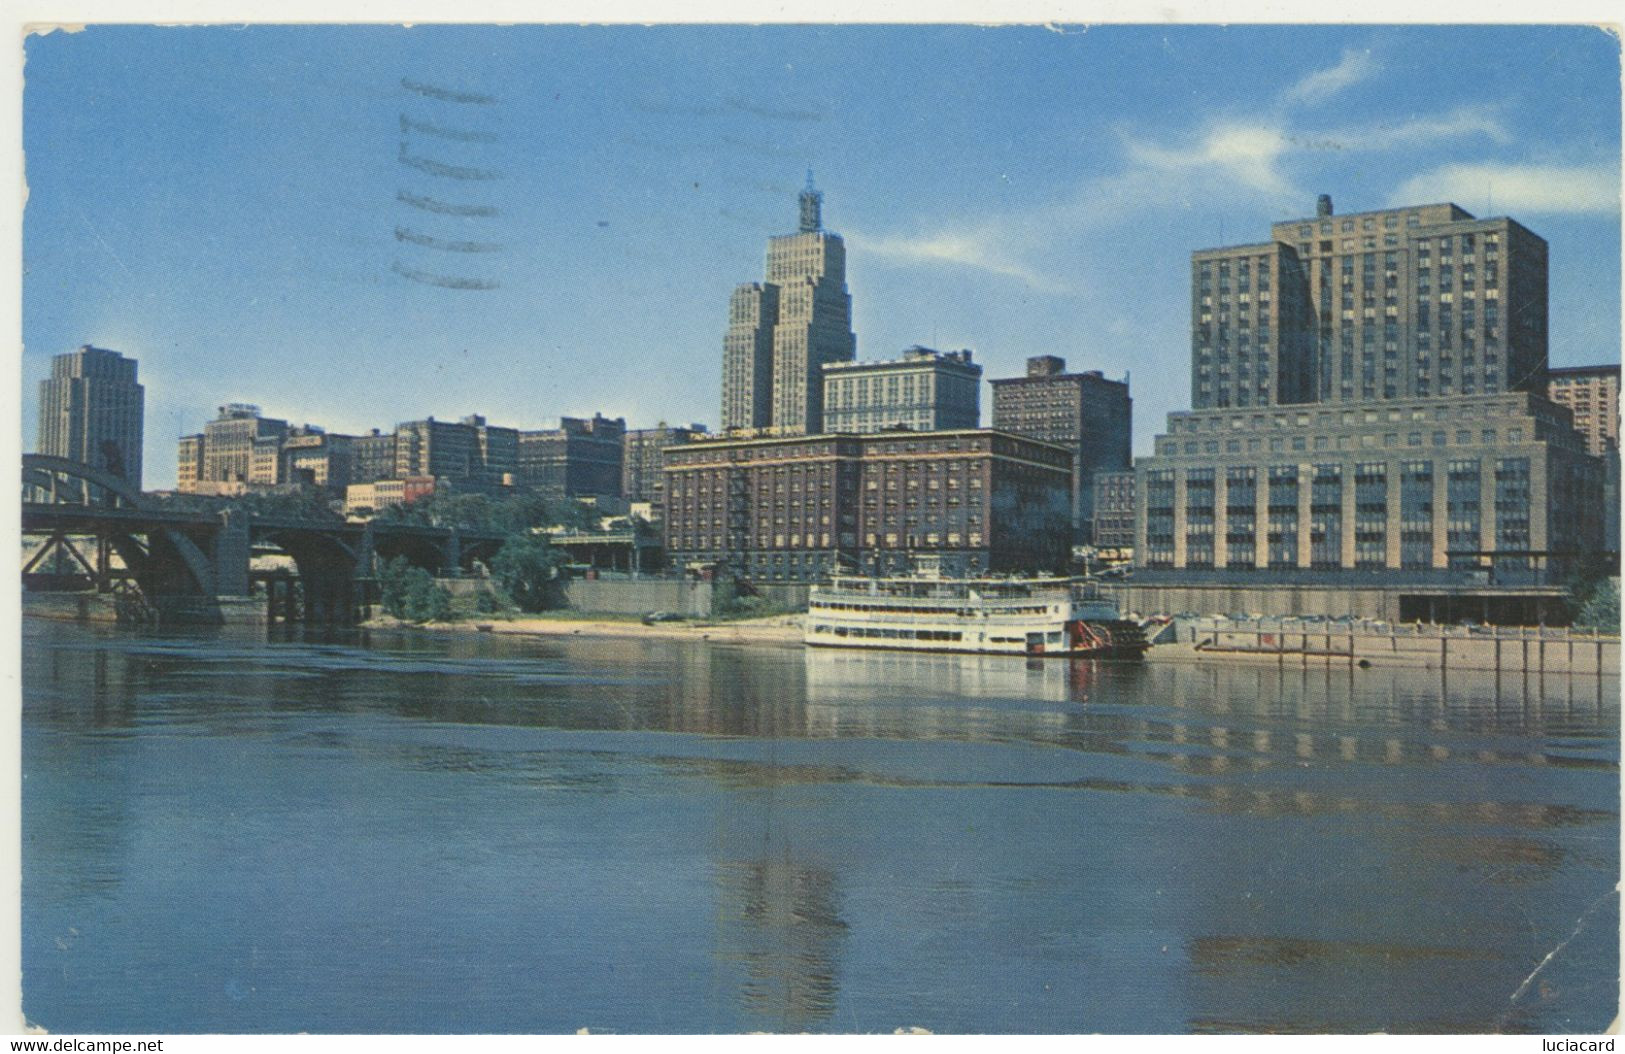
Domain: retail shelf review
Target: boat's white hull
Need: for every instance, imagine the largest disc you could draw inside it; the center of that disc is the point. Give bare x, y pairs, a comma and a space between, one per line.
990, 617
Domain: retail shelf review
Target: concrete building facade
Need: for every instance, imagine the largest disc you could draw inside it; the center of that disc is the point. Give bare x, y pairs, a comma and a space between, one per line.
782, 332
796, 509
1497, 484
469, 454
1424, 454
923, 390
1114, 511
1592, 394
1091, 416
92, 410
189, 463
373, 457
316, 458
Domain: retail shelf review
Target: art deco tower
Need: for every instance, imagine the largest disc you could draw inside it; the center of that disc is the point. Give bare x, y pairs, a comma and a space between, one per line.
90, 411
782, 332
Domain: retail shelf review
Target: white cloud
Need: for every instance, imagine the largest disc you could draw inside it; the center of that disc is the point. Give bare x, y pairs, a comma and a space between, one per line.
1466, 123
1518, 189
983, 250
1248, 154
1353, 67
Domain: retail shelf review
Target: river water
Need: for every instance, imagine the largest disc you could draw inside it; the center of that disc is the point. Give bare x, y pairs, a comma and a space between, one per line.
416, 833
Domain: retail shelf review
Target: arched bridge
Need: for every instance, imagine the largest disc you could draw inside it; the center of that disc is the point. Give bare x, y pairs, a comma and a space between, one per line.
92, 530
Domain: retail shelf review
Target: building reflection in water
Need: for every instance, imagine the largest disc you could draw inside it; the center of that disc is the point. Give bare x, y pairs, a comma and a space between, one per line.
781, 924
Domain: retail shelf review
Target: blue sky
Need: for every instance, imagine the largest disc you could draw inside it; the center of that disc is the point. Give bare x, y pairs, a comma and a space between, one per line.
226, 204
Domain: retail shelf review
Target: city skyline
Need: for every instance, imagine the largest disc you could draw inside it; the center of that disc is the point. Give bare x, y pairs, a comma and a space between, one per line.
264, 236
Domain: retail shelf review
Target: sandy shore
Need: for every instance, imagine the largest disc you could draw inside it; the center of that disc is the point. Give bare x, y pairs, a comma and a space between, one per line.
778, 629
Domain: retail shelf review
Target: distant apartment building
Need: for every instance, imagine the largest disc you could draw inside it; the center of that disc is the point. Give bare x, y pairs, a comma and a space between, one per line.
923, 390
366, 498
372, 457
469, 454
782, 332
316, 458
800, 508
189, 463
1592, 394
1114, 510
580, 458
1089, 415
91, 410
641, 460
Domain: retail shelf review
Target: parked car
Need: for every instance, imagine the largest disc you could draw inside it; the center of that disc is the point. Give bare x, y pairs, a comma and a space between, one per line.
655, 617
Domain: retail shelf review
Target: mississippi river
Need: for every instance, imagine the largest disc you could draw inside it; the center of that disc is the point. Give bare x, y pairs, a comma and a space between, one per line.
413, 833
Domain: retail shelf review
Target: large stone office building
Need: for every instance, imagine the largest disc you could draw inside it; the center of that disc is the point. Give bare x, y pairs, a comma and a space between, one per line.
91, 410
796, 509
235, 451
1420, 450
1463, 483
1088, 414
782, 332
924, 390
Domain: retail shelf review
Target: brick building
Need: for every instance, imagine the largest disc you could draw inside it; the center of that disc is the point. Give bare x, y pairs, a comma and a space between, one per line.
799, 508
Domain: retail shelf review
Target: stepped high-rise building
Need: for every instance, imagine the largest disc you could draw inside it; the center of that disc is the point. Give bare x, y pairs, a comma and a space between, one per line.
782, 332
91, 411
1369, 409
1394, 304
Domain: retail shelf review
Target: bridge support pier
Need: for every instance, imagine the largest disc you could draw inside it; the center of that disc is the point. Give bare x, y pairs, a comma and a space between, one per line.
232, 553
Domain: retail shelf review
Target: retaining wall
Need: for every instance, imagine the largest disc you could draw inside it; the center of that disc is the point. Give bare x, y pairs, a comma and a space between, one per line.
639, 596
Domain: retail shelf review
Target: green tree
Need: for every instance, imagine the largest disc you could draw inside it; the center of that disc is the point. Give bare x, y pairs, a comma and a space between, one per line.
410, 593
528, 569
1601, 609
514, 514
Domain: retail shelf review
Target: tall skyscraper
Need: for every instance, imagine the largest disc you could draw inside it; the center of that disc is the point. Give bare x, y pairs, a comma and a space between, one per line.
91, 411
1392, 304
782, 332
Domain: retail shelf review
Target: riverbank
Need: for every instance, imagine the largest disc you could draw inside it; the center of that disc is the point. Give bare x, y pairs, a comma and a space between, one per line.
776, 630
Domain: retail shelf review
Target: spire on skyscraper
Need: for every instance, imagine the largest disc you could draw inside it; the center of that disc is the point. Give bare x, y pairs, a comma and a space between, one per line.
812, 202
